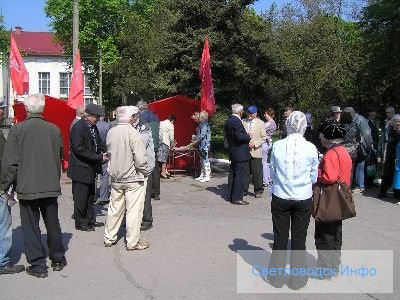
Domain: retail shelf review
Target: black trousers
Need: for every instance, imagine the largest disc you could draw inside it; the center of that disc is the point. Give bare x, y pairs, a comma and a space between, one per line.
294, 215
35, 252
328, 241
84, 196
147, 219
255, 169
235, 180
387, 179
155, 186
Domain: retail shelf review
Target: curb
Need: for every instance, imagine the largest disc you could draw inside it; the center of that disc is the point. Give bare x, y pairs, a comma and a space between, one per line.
220, 160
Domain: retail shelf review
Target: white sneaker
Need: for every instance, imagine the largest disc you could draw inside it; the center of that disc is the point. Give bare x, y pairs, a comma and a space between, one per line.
200, 177
205, 179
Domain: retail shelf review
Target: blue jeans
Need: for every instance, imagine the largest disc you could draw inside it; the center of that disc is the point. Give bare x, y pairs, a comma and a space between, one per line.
360, 174
5, 231
203, 154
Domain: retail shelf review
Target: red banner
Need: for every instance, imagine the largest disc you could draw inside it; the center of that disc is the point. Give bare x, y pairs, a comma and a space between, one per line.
207, 91
18, 73
75, 98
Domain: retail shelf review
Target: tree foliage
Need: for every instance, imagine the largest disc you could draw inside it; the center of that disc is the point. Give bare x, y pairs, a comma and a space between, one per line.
309, 53
319, 54
381, 28
4, 41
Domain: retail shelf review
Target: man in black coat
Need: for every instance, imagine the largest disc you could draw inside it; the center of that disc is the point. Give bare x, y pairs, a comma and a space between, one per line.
32, 165
87, 153
239, 154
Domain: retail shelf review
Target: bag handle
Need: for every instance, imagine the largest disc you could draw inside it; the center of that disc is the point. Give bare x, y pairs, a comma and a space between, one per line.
340, 168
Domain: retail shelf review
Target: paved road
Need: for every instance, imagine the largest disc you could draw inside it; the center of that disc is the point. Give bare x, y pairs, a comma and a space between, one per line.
193, 248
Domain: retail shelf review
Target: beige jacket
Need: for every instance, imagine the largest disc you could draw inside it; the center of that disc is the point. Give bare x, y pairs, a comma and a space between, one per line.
128, 160
167, 133
258, 136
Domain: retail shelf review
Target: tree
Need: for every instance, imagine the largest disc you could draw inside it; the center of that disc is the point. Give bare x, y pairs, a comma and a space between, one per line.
99, 25
4, 41
381, 23
318, 53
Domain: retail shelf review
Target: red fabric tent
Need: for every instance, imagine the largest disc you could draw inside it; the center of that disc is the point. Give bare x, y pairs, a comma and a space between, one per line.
56, 111
183, 108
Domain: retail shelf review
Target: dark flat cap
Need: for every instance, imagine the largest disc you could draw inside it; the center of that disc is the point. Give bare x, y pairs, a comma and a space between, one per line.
94, 109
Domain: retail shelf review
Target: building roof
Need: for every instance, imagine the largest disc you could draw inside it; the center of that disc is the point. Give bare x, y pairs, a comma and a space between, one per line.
37, 43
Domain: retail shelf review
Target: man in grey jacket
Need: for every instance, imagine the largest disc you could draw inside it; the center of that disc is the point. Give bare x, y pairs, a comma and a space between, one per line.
365, 138
32, 165
141, 125
104, 193
128, 169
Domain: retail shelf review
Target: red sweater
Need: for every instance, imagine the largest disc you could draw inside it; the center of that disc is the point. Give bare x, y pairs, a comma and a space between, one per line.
329, 170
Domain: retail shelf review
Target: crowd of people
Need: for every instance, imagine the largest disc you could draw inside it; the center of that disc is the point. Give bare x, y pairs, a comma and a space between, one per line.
347, 151
131, 154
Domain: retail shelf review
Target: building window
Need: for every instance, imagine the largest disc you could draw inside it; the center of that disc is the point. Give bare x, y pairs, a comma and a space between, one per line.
65, 80
44, 83
87, 93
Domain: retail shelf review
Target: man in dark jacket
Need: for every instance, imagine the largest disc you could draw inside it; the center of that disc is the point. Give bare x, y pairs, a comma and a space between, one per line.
239, 154
87, 153
32, 165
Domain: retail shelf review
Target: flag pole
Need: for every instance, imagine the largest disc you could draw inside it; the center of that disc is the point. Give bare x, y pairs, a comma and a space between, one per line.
75, 28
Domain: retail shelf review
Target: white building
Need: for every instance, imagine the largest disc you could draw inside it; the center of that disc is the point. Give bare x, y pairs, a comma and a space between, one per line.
47, 65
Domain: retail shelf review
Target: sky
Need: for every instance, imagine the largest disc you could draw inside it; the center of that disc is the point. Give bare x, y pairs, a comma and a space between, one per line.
30, 15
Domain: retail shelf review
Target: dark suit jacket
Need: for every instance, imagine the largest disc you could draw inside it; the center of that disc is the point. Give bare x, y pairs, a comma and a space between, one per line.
237, 138
84, 162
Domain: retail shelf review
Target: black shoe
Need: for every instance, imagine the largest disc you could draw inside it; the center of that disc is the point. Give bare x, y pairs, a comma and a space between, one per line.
84, 228
245, 193
155, 197
58, 266
146, 227
31, 272
97, 224
11, 269
240, 202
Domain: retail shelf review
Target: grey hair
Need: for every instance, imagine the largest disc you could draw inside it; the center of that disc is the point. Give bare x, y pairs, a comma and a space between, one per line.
124, 114
203, 116
141, 105
237, 108
389, 108
350, 110
34, 103
396, 117
80, 111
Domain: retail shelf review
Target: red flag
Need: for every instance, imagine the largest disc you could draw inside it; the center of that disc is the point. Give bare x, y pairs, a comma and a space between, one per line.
19, 74
207, 102
75, 98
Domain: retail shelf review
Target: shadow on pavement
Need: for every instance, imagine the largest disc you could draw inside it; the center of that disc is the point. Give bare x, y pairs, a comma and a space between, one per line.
374, 192
219, 190
18, 243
